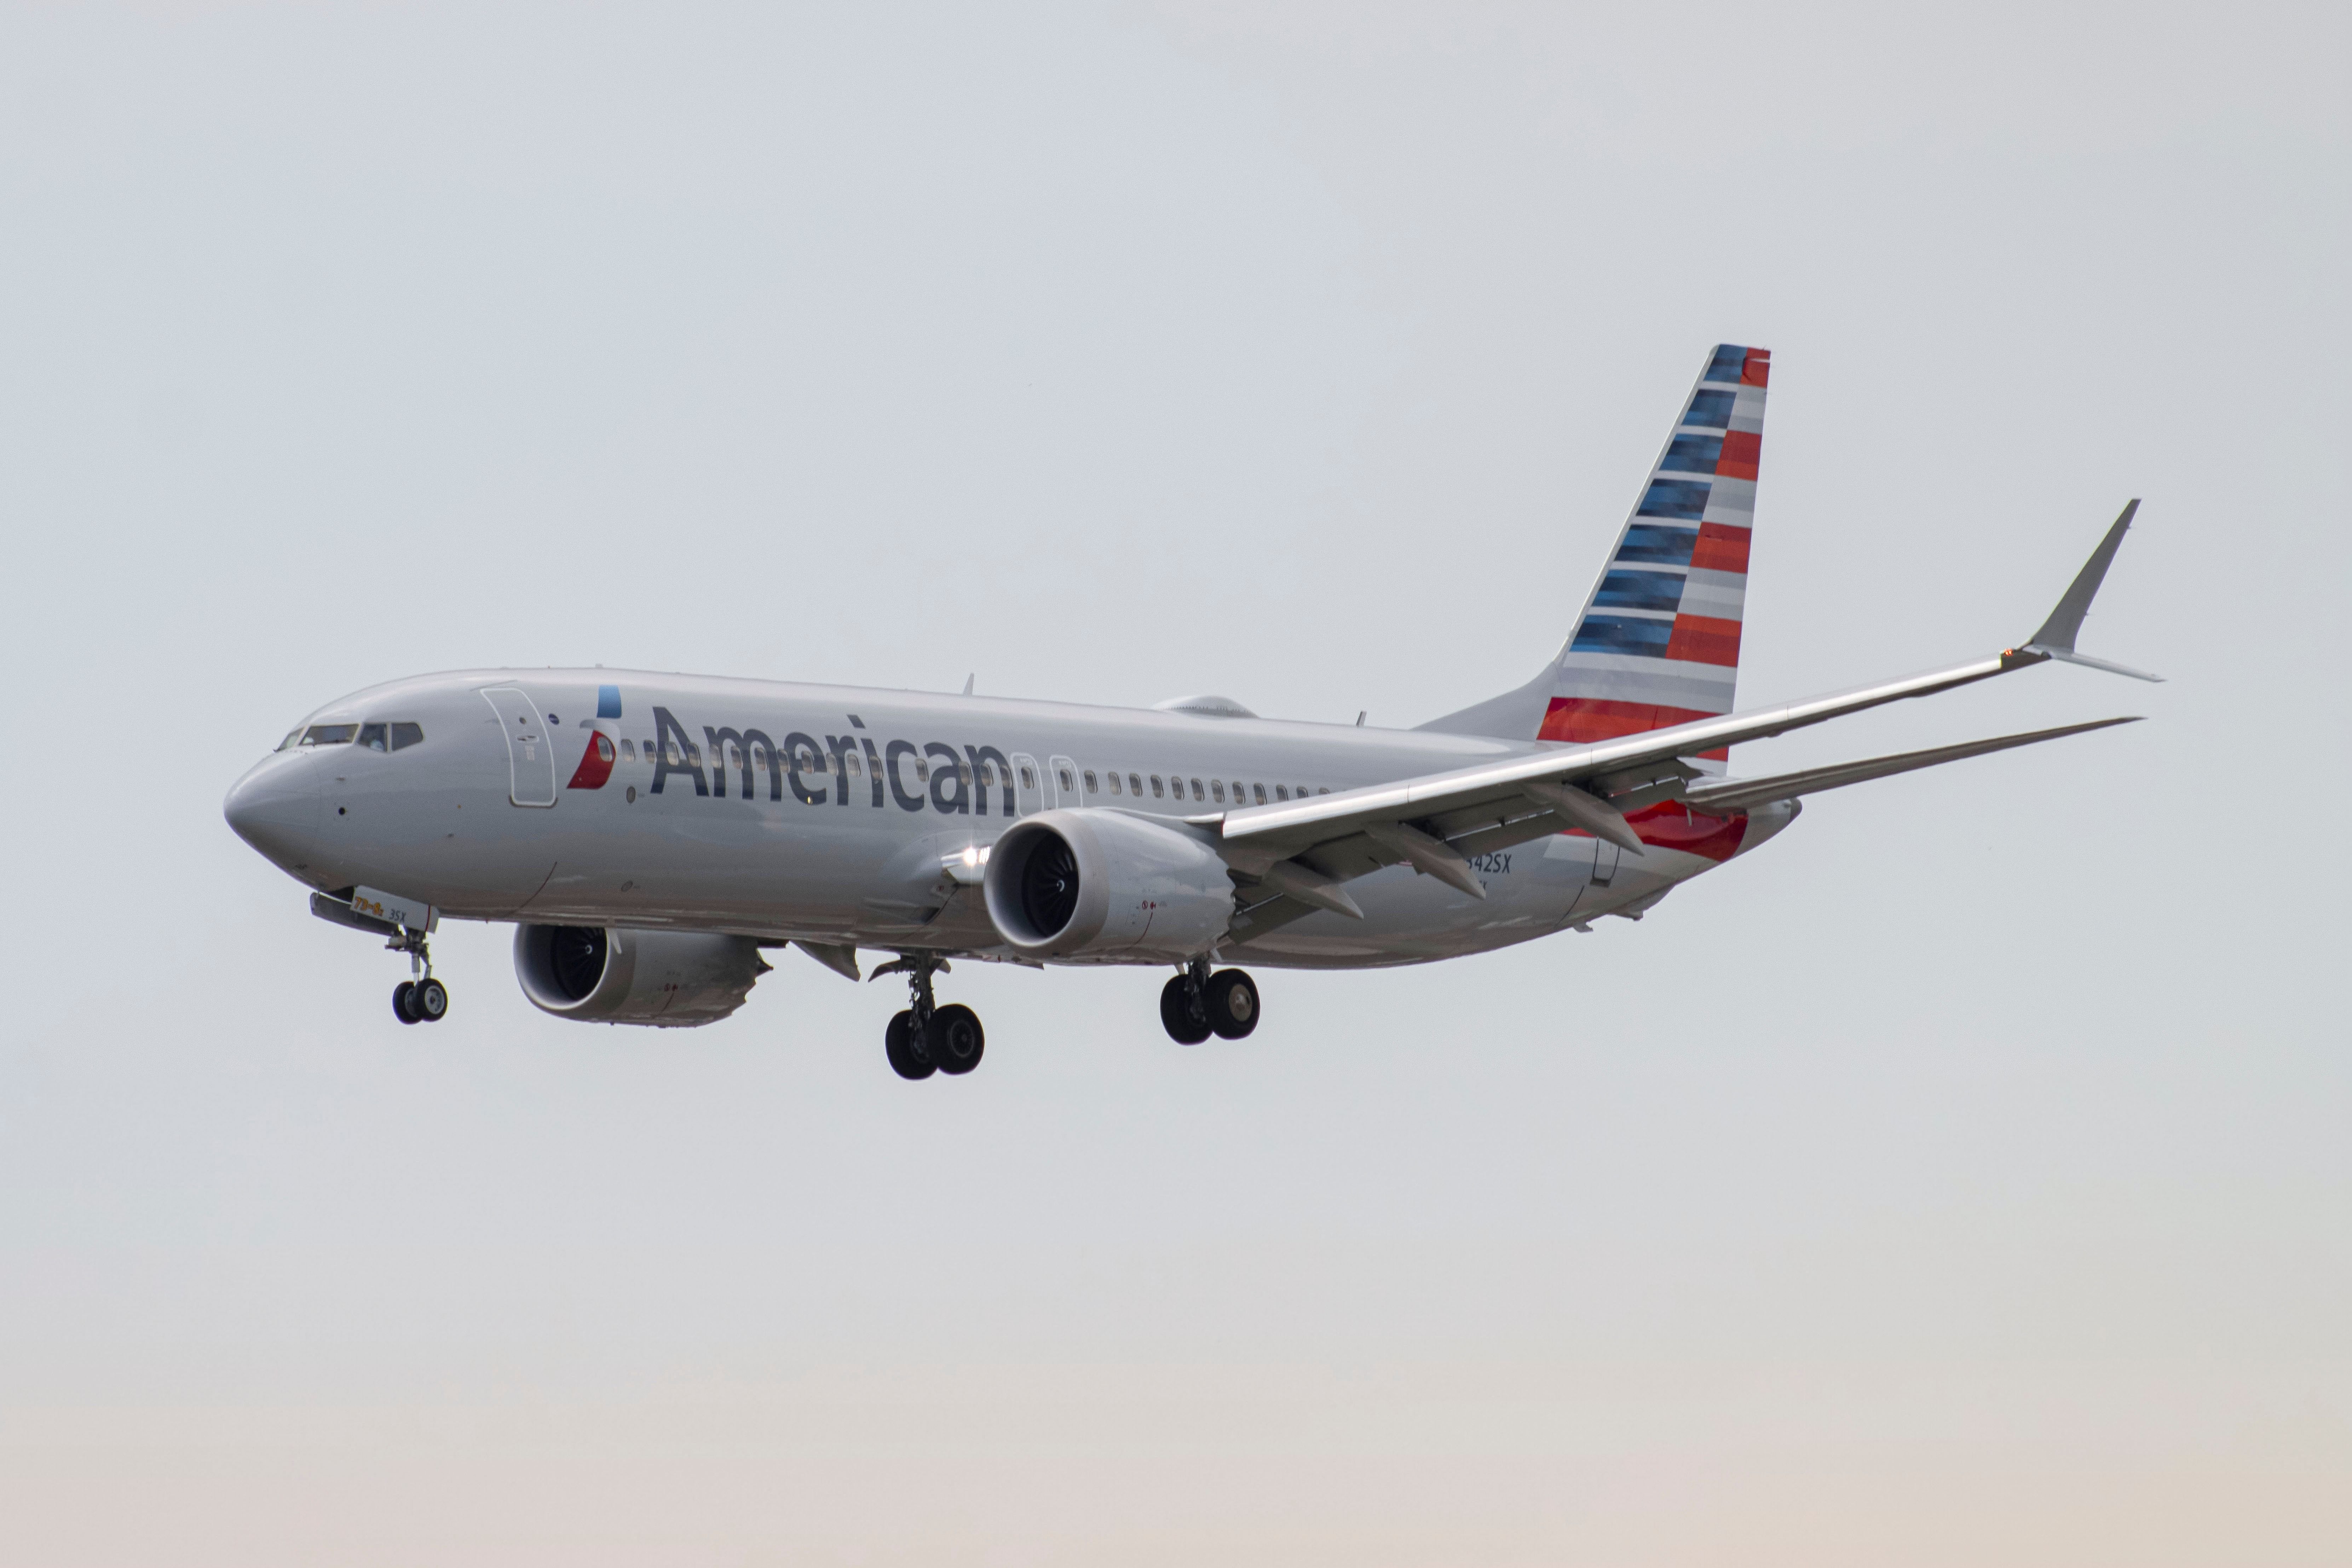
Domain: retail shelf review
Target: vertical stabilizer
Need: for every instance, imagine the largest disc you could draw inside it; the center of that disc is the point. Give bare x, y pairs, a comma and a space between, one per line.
1657, 643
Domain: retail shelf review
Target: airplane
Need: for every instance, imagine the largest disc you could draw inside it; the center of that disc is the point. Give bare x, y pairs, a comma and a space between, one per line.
652, 837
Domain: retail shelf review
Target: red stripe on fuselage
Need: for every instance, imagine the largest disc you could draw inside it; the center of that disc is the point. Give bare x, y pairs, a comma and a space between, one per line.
1670, 824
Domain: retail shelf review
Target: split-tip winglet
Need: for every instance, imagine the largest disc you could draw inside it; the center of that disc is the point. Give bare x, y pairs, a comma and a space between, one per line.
2056, 637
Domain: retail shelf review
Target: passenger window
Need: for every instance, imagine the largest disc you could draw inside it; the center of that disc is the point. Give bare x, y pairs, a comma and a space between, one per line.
922, 771
1237, 793
1135, 786
1323, 792
1068, 783
1261, 793
1090, 780
1280, 793
1114, 785
628, 752
373, 738
1028, 779
849, 761
1217, 788
603, 748
330, 734
1156, 791
963, 774
1300, 791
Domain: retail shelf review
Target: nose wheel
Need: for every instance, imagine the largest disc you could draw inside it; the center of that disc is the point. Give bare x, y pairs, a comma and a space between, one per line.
423, 1000
926, 1038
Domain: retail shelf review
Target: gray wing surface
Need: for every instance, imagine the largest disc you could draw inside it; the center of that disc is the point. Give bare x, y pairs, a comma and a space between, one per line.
1291, 857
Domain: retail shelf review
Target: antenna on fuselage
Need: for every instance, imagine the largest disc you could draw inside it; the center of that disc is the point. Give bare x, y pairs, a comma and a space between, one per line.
967, 683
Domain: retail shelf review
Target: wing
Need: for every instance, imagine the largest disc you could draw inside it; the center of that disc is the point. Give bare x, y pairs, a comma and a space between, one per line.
1719, 795
1294, 856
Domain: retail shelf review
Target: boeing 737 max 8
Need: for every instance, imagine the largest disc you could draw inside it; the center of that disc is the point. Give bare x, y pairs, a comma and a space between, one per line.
651, 835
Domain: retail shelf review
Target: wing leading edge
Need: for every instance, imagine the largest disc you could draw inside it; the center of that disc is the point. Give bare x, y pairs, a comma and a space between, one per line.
1294, 854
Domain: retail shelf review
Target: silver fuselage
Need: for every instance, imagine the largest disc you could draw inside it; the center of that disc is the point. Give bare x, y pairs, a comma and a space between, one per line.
841, 838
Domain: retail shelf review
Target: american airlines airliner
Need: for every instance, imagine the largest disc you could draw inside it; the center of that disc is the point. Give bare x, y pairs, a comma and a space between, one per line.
651, 837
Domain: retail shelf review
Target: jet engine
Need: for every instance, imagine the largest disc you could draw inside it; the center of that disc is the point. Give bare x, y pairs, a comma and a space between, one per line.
609, 974
1076, 885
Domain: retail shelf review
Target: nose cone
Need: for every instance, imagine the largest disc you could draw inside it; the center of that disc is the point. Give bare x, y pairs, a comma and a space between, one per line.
275, 808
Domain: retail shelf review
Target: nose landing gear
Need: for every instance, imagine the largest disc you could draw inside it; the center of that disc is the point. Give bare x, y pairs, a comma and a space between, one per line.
1197, 1004
926, 1038
423, 1000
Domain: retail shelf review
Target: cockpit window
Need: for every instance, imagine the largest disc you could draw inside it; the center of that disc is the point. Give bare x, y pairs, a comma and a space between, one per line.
406, 735
330, 734
372, 737
292, 736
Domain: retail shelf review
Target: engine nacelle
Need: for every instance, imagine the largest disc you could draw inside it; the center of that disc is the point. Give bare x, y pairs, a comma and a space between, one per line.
1095, 884
670, 979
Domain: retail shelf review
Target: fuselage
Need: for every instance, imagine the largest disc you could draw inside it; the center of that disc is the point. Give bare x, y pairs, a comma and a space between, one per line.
838, 814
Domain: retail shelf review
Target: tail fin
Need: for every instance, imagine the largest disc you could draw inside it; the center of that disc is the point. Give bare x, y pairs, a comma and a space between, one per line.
1658, 643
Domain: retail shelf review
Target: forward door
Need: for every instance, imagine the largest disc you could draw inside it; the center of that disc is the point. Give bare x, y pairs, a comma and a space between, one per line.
530, 750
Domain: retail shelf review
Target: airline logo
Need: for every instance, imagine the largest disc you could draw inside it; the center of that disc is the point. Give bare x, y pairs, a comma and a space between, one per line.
837, 769
1658, 644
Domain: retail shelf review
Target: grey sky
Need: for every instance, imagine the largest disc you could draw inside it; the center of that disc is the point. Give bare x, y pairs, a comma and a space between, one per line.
1962, 1178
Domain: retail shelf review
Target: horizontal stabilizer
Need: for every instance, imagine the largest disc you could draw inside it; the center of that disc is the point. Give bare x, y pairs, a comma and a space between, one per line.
1717, 796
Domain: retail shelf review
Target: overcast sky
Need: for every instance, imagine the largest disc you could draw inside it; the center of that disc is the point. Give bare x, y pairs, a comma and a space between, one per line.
1963, 1178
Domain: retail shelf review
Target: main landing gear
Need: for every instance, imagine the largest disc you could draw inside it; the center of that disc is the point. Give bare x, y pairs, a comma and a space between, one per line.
928, 1039
423, 1000
1198, 1003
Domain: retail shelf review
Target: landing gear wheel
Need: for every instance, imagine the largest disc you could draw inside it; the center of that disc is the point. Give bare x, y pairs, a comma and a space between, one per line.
1176, 1014
402, 1000
1232, 996
957, 1039
429, 1000
909, 1057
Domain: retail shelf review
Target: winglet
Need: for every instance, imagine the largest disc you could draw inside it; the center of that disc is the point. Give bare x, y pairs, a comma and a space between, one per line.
2056, 637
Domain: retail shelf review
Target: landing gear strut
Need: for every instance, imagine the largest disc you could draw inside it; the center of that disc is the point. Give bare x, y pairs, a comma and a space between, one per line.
422, 1000
1198, 1003
928, 1039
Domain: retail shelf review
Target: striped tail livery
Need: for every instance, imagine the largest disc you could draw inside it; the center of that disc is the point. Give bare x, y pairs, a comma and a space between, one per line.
1657, 643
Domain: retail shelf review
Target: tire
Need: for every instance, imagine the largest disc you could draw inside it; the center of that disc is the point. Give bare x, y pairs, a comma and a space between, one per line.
429, 1000
1232, 996
1176, 1015
957, 1039
908, 1058
400, 996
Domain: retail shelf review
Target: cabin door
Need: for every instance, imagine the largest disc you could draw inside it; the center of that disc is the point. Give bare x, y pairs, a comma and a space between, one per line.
530, 750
